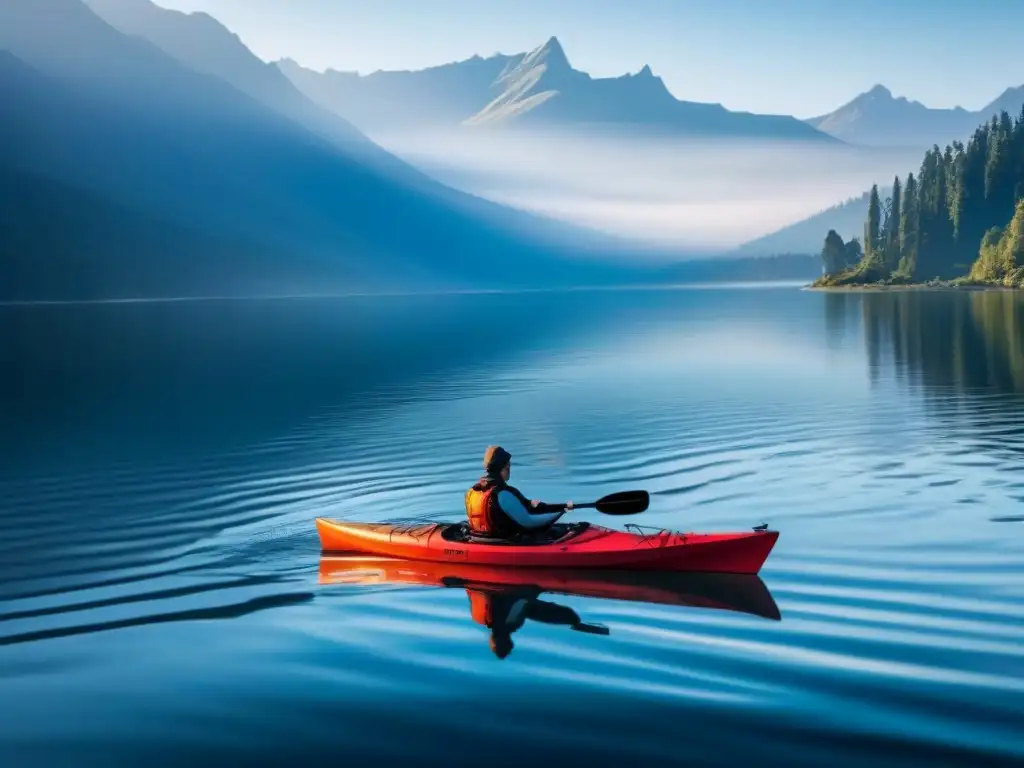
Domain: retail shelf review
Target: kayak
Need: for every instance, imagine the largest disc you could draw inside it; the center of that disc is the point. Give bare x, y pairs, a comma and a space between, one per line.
717, 591
575, 545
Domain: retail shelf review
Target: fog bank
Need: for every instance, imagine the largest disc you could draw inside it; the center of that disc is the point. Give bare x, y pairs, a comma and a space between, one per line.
696, 194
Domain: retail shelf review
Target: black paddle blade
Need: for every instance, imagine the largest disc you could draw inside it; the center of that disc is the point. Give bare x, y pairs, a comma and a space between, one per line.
624, 503
592, 629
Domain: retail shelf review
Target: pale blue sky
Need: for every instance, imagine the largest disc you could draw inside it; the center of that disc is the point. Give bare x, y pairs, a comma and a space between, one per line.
801, 57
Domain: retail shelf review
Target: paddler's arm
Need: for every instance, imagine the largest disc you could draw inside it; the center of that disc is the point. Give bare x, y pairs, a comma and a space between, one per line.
540, 507
552, 613
525, 516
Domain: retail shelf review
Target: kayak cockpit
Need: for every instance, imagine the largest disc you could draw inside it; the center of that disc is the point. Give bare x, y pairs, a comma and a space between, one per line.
555, 534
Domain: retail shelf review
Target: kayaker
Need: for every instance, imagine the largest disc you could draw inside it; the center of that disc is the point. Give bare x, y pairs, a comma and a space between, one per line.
498, 510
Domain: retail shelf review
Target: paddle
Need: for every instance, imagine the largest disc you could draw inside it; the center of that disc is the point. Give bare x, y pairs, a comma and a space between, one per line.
621, 503
591, 629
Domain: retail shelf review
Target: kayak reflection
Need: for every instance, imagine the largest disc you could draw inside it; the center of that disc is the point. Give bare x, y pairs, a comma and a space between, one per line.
504, 609
503, 599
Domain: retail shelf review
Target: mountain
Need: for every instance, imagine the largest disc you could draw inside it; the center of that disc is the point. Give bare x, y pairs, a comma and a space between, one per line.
877, 118
203, 44
808, 235
57, 242
206, 46
538, 88
542, 89
117, 119
1010, 101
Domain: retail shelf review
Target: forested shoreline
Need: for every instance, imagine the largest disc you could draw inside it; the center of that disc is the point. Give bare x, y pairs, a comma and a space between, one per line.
959, 222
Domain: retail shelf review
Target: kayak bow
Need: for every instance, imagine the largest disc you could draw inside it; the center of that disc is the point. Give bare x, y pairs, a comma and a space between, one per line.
577, 545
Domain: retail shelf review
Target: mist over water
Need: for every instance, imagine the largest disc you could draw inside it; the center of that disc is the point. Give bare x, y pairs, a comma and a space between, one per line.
698, 194
163, 597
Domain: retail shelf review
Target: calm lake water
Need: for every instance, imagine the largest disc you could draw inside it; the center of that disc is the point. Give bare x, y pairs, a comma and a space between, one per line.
163, 598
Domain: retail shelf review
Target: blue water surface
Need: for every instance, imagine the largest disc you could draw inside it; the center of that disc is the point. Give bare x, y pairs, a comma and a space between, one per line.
163, 597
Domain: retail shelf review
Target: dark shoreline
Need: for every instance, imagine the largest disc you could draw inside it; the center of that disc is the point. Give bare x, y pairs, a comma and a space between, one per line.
881, 288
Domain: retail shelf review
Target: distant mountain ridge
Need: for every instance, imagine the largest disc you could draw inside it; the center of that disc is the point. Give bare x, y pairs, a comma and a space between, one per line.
877, 118
535, 88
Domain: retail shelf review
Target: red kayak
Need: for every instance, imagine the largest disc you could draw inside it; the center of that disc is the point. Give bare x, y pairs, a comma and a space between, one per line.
577, 545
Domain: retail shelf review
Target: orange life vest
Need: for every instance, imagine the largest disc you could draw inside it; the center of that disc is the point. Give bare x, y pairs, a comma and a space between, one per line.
492, 607
485, 515
480, 607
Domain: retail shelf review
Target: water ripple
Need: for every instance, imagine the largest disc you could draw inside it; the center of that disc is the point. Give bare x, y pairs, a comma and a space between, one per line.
184, 586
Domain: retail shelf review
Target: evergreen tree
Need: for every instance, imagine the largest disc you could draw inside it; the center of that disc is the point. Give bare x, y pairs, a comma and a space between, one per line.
928, 212
944, 229
833, 255
1018, 154
1000, 181
854, 253
873, 225
908, 228
892, 235
969, 210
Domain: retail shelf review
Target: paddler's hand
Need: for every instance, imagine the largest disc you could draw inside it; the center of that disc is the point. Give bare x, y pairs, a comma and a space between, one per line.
568, 505
535, 503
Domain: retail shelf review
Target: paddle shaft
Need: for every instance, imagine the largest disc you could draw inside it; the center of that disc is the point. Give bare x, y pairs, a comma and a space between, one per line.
623, 503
